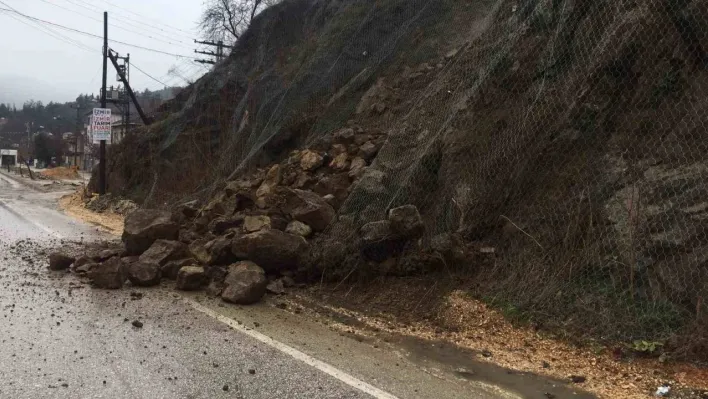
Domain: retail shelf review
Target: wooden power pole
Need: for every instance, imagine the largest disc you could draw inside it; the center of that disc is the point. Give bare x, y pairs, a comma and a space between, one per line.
102, 148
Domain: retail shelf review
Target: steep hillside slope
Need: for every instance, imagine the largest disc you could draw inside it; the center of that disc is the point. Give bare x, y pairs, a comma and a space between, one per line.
554, 148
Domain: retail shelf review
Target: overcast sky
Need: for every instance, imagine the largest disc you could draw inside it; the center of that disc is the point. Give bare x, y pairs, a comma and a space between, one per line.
37, 65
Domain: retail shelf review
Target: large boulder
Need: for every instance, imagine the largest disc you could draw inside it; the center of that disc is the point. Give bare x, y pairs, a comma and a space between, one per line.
109, 274
144, 274
163, 251
245, 283
406, 221
60, 261
273, 249
309, 208
144, 226
379, 241
214, 252
190, 278
170, 269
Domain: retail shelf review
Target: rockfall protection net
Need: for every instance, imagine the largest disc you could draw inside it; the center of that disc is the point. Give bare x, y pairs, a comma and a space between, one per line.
560, 145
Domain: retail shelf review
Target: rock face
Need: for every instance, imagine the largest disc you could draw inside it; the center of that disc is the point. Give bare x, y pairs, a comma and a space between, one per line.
144, 274
406, 221
144, 226
274, 250
59, 261
190, 278
309, 208
245, 283
162, 251
109, 274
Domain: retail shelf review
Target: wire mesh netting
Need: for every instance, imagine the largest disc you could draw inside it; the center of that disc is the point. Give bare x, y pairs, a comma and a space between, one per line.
556, 149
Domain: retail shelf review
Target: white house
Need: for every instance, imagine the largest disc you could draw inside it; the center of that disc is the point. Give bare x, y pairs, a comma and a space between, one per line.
8, 157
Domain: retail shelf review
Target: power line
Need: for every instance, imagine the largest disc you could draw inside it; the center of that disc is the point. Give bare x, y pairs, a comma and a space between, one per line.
91, 34
115, 26
129, 20
45, 30
147, 74
146, 18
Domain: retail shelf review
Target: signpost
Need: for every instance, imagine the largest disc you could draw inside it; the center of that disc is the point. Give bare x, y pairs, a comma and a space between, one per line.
101, 125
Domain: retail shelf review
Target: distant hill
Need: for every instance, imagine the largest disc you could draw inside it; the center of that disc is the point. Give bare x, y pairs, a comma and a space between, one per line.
16, 89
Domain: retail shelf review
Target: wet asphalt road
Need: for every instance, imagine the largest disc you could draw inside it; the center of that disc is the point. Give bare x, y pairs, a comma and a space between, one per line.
60, 338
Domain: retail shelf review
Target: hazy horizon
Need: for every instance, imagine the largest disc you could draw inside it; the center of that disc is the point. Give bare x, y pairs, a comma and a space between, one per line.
46, 63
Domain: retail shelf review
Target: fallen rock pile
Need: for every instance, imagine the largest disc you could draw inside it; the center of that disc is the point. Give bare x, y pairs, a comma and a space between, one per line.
255, 234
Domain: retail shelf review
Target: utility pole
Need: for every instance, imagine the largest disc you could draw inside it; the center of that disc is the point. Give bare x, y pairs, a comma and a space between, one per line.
124, 100
218, 55
77, 133
124, 80
102, 148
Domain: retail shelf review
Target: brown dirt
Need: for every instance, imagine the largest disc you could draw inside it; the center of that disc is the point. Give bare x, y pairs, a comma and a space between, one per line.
74, 206
61, 173
415, 307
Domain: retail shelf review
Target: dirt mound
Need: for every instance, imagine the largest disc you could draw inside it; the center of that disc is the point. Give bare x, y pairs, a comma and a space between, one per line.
61, 173
75, 205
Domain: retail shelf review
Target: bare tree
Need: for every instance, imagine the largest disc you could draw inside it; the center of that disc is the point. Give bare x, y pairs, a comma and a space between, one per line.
227, 19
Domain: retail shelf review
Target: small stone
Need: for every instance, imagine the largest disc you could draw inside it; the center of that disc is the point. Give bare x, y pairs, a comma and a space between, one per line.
251, 371
486, 353
254, 223
545, 365
298, 228
276, 287
339, 162
311, 160
368, 150
137, 324
577, 379
60, 261
225, 388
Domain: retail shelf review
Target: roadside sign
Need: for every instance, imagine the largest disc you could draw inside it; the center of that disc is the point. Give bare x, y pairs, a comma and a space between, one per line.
101, 125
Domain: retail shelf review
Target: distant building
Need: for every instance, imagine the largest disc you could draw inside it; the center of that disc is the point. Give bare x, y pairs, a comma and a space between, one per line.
8, 157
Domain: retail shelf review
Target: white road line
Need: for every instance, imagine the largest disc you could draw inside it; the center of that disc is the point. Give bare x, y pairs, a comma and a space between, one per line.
40, 226
289, 350
12, 183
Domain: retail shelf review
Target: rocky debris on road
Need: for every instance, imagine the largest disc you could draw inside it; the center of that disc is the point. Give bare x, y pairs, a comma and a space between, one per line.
137, 324
60, 261
144, 273
273, 250
144, 226
257, 231
163, 251
109, 274
190, 278
245, 283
